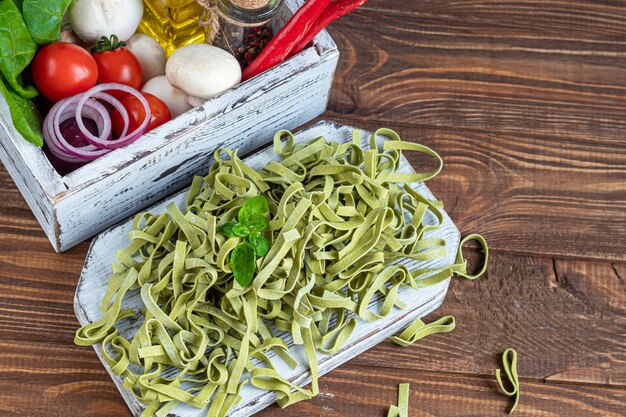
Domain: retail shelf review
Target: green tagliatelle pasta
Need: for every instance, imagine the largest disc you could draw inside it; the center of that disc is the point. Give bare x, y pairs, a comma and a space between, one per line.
419, 330
340, 219
509, 363
402, 409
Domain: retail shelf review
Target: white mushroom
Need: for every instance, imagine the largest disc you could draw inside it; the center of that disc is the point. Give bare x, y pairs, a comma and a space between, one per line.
149, 53
195, 101
93, 19
67, 34
203, 71
175, 99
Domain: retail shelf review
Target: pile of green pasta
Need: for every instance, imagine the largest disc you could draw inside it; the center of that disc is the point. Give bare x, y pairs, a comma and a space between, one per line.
341, 217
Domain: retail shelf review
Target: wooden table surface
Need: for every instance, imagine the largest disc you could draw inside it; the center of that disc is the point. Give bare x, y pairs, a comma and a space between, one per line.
526, 102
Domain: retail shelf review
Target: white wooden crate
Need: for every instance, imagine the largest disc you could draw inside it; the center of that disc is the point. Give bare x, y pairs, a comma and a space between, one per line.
93, 283
75, 207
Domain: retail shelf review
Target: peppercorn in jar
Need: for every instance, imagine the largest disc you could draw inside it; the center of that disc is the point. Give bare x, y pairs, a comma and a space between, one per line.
245, 27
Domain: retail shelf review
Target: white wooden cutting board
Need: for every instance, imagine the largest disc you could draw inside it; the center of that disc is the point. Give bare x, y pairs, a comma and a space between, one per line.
93, 281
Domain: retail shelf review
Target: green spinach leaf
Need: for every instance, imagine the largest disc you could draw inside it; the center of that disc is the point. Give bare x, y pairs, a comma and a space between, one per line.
24, 114
243, 263
17, 48
43, 19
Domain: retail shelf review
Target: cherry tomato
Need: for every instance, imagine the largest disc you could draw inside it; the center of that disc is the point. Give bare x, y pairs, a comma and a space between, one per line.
62, 70
117, 64
160, 113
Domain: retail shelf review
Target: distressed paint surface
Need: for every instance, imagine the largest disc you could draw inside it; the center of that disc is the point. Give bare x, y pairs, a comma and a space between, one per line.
73, 208
97, 269
30, 169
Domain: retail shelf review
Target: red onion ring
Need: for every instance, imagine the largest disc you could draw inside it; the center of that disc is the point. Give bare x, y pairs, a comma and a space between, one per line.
57, 143
87, 105
125, 138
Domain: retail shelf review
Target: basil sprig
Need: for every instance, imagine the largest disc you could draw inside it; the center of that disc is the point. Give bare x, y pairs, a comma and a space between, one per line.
252, 222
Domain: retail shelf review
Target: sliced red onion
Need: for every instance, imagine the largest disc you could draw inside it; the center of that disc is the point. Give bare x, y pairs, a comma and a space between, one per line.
72, 134
62, 111
125, 138
87, 105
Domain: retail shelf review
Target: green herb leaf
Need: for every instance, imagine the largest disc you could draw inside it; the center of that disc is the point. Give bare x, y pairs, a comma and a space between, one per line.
261, 245
258, 222
241, 230
17, 48
227, 229
43, 18
253, 207
243, 263
24, 114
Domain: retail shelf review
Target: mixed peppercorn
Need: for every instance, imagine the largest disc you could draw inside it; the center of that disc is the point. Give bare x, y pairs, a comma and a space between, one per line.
255, 39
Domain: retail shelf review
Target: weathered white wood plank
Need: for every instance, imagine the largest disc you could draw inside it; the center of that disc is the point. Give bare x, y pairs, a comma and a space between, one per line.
30, 169
86, 201
92, 286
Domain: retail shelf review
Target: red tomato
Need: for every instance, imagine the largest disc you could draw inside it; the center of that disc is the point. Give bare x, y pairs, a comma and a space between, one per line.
62, 70
137, 114
119, 66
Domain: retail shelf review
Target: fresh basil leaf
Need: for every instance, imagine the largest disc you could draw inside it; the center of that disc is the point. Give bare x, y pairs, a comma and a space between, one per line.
243, 263
17, 48
43, 19
241, 230
227, 229
261, 245
258, 222
255, 206
24, 114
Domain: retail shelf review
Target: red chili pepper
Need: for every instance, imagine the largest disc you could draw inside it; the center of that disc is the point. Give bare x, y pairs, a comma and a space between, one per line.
334, 11
280, 47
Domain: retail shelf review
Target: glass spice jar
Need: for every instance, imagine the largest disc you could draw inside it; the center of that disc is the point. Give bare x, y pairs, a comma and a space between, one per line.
245, 27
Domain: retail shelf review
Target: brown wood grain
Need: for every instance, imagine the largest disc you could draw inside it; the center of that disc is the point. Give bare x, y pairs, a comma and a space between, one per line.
46, 379
11, 197
566, 319
529, 100
575, 21
529, 193
36, 284
550, 68
355, 391
526, 102
64, 380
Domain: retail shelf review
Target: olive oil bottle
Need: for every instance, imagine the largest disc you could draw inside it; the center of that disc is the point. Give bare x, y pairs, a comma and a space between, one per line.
174, 23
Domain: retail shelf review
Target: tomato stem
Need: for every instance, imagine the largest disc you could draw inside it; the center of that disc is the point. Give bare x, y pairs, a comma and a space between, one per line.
108, 44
